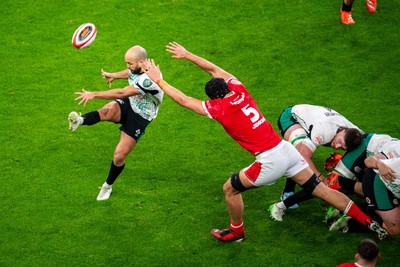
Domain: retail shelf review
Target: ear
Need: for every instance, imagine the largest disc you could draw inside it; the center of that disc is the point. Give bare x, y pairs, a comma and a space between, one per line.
142, 63
378, 258
357, 257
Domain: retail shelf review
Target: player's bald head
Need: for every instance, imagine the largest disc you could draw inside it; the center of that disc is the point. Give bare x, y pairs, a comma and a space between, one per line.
136, 53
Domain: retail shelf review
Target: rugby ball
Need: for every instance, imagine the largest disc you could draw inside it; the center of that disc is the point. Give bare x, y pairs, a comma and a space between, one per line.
84, 35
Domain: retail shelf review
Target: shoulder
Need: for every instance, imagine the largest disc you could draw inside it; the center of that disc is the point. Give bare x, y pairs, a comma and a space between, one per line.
233, 81
235, 85
347, 264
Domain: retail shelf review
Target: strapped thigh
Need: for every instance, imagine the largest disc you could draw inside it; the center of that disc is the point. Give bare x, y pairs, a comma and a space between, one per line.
237, 184
299, 136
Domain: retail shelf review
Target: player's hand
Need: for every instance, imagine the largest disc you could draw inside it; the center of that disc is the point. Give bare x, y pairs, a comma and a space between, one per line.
152, 70
108, 77
332, 161
386, 172
84, 97
177, 50
333, 181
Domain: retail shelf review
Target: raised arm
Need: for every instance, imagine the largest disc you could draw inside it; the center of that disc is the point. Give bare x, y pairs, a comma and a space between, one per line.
179, 97
179, 52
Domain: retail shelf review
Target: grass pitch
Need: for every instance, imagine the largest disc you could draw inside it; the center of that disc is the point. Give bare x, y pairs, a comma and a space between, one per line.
170, 194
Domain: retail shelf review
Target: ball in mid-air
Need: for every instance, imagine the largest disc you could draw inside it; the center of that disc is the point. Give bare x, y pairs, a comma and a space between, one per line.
84, 35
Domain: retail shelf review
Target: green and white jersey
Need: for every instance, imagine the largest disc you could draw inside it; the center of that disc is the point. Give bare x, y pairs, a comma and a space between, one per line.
384, 144
352, 164
147, 103
320, 123
394, 187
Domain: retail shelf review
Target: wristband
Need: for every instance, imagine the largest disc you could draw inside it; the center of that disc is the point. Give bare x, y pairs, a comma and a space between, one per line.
161, 82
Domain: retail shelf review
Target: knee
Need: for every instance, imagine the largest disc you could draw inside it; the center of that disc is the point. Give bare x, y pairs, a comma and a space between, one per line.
103, 112
107, 112
311, 184
393, 229
119, 158
227, 187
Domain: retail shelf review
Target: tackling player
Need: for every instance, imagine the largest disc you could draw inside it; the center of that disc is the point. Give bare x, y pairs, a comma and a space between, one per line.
232, 106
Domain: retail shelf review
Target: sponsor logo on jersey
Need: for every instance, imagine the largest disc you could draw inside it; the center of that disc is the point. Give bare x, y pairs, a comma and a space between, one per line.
137, 133
357, 169
317, 140
238, 100
147, 83
235, 81
331, 114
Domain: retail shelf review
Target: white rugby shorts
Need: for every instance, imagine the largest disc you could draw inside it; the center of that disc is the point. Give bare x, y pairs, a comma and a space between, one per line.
282, 160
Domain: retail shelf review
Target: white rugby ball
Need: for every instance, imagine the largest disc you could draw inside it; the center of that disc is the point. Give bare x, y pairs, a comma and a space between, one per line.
84, 35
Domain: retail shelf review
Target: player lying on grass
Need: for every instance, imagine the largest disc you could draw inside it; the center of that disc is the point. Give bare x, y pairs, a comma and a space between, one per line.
351, 168
380, 186
382, 194
308, 127
349, 171
233, 107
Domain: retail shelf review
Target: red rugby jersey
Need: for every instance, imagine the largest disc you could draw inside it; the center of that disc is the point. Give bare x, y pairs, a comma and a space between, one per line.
242, 120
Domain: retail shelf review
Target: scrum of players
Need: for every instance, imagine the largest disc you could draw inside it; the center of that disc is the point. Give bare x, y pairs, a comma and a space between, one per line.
369, 170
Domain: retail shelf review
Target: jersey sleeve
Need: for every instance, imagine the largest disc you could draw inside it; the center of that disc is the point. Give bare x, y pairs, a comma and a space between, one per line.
323, 133
145, 85
352, 164
206, 104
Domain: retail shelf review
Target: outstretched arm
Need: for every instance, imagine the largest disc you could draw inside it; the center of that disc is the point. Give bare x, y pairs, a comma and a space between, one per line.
180, 98
86, 96
180, 52
111, 76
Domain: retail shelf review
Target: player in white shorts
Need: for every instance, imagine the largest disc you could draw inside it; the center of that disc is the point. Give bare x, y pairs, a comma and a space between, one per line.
282, 160
233, 107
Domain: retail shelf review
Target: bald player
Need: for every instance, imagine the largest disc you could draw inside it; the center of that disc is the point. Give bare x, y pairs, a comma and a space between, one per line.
133, 106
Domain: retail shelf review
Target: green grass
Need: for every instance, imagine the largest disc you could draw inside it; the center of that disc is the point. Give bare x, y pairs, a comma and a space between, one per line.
170, 194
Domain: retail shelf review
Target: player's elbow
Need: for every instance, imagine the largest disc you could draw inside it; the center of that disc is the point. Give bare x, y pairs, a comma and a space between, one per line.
183, 101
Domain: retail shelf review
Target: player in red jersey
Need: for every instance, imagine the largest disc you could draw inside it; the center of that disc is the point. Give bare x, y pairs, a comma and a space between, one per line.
231, 105
367, 255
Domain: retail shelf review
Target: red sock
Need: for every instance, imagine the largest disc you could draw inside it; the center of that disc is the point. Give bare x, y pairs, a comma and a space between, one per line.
354, 211
237, 228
